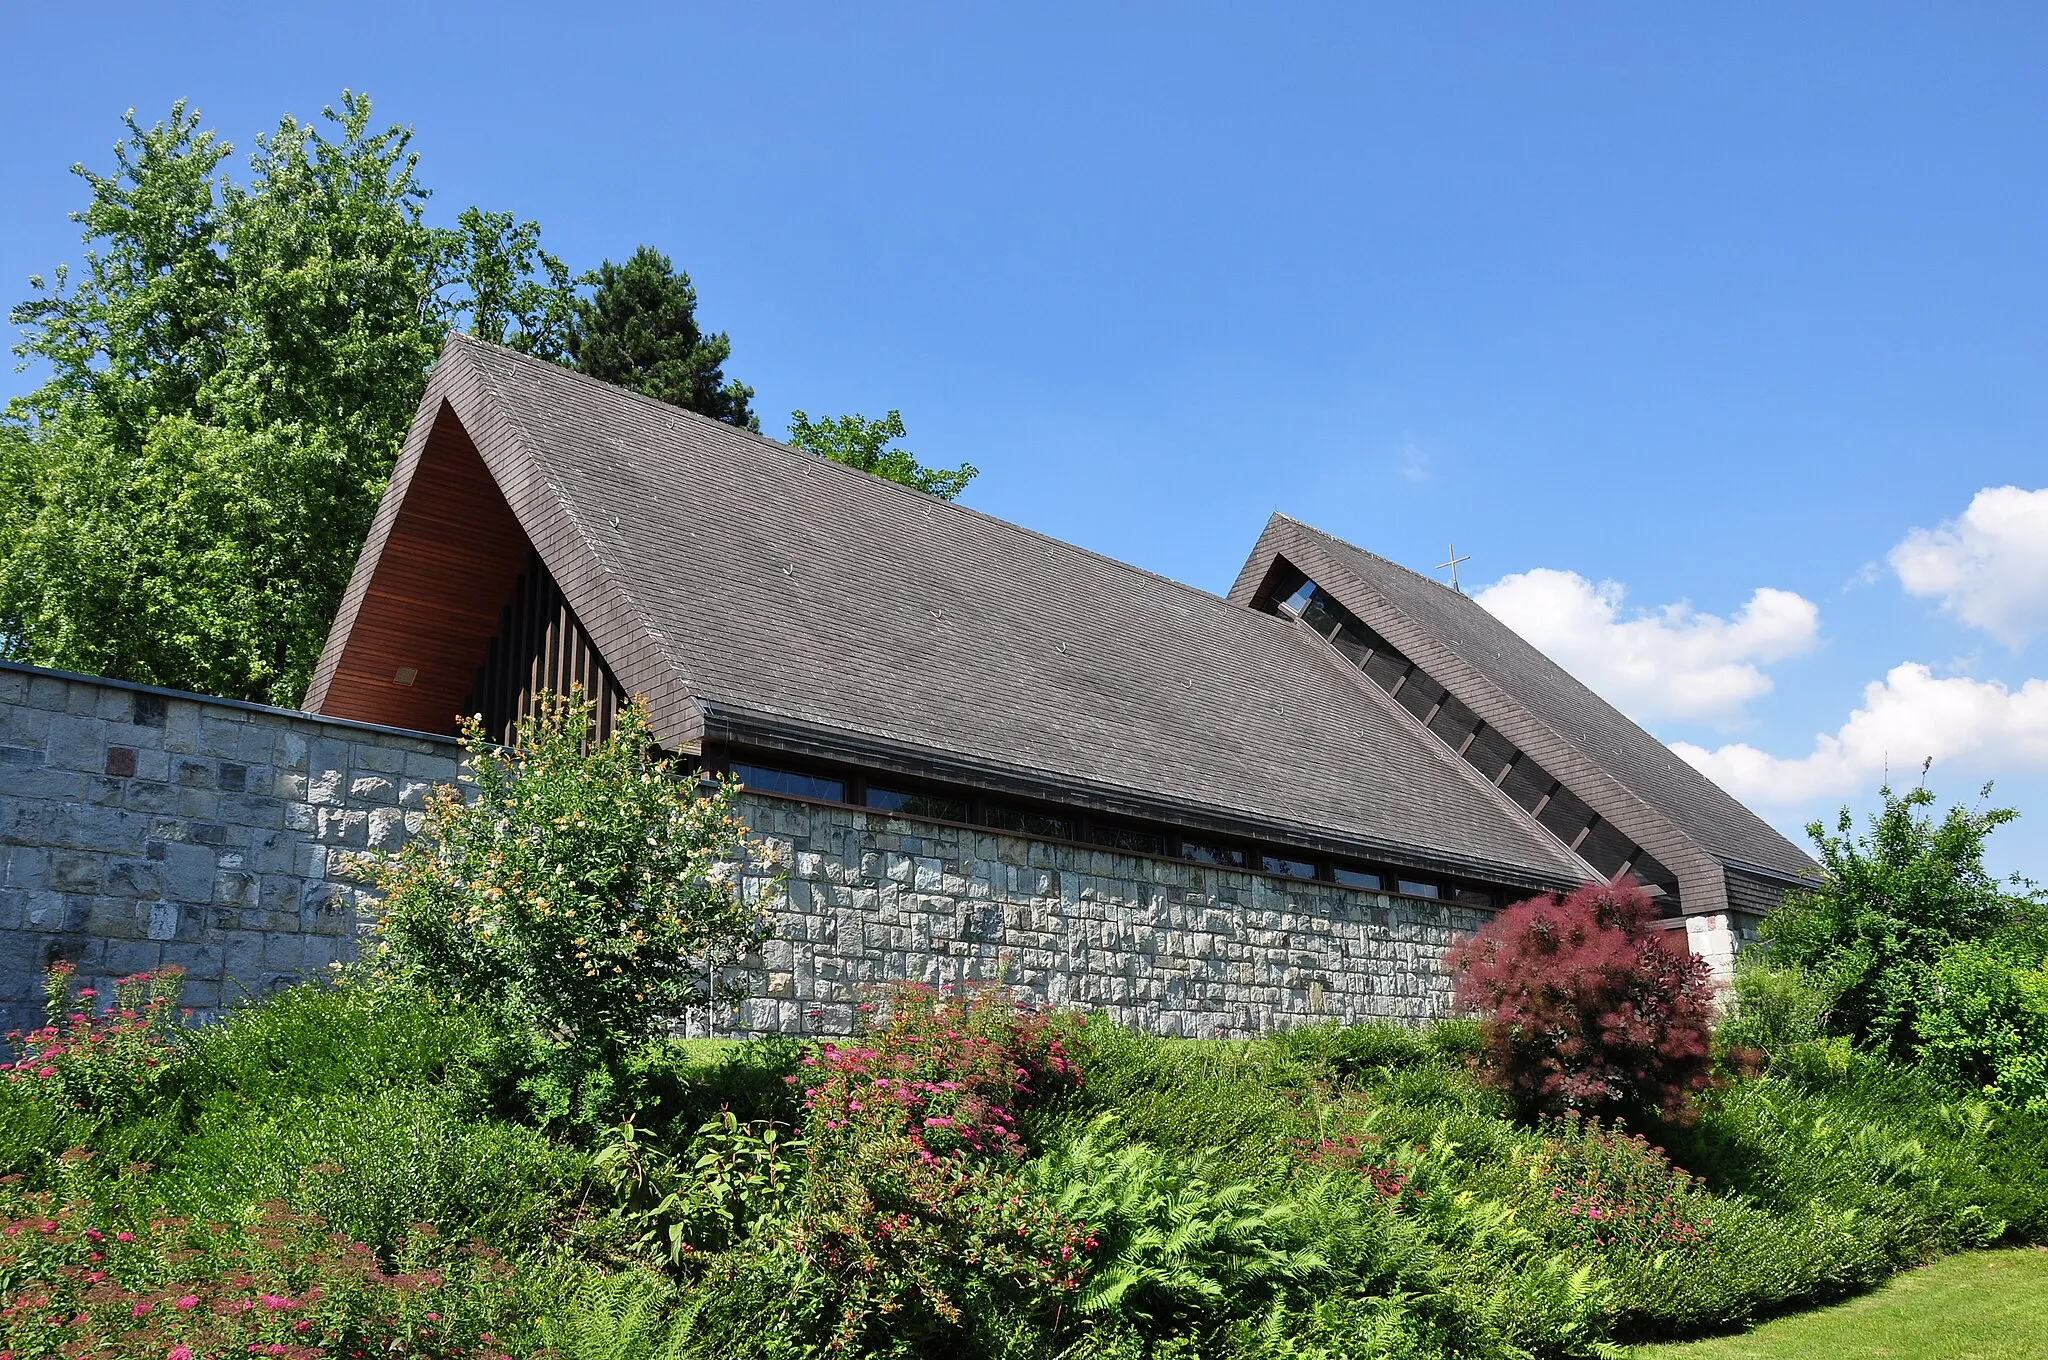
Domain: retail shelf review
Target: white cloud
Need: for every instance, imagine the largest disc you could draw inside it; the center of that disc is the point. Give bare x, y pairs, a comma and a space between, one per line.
1672, 663
1905, 718
1988, 567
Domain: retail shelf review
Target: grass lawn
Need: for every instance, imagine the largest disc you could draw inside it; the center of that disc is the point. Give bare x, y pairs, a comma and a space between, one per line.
1989, 1305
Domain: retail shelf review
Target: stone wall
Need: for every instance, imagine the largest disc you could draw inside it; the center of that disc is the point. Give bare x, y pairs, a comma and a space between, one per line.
141, 827
1718, 937
1167, 947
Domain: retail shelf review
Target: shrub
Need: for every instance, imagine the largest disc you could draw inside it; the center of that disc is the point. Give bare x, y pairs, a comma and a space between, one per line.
103, 1064
911, 1232
1892, 902
1588, 1006
942, 1070
587, 896
373, 1162
322, 1038
1984, 1026
78, 1283
1599, 1188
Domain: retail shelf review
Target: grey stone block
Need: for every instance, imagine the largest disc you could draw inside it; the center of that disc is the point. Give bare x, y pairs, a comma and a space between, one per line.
188, 873
181, 726
372, 789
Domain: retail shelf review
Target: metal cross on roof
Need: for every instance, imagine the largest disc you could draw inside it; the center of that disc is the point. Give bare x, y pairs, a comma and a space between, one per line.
1453, 565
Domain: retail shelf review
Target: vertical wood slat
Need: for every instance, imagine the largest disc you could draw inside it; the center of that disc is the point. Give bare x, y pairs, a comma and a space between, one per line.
540, 647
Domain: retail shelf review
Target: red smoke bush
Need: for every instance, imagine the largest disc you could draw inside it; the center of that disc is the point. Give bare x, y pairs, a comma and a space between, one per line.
1588, 1005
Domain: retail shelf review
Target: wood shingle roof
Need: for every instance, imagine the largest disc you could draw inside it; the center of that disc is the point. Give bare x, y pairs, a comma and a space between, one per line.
750, 589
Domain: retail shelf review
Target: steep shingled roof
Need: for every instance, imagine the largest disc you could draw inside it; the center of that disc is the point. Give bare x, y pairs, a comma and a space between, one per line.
741, 583
1628, 776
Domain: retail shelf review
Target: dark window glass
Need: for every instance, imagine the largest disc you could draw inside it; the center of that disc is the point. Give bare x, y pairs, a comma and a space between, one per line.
1420, 694
1489, 751
1526, 783
1465, 895
1133, 839
1358, 878
1293, 603
936, 806
1028, 822
1354, 643
1292, 868
1414, 888
1453, 722
1202, 852
1565, 815
1323, 613
764, 780
1654, 876
1607, 849
1386, 667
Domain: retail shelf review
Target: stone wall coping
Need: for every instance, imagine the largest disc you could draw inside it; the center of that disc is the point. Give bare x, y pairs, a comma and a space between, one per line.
244, 705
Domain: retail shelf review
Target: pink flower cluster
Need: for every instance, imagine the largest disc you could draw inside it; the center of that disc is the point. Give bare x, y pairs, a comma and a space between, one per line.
946, 1070
1608, 1189
1362, 1154
99, 1060
283, 1286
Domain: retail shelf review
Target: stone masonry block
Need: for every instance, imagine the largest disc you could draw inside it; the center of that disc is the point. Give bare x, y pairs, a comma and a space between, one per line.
220, 736
76, 743
181, 726
372, 789
48, 692
188, 872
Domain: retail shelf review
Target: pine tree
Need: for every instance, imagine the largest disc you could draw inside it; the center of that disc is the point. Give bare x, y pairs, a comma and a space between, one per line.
638, 329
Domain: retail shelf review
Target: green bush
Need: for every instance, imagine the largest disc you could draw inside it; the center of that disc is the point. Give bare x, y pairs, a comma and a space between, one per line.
1984, 1025
586, 897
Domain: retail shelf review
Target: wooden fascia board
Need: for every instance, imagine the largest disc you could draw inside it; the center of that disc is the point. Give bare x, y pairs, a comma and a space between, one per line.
736, 725
388, 506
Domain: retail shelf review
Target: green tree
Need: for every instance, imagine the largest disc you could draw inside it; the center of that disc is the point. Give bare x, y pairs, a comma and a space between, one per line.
1894, 901
586, 896
638, 329
865, 444
230, 375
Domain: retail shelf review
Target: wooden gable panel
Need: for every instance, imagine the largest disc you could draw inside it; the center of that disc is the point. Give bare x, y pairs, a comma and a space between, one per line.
435, 594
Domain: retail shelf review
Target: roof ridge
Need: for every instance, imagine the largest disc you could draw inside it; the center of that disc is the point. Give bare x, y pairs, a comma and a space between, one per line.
810, 459
1368, 552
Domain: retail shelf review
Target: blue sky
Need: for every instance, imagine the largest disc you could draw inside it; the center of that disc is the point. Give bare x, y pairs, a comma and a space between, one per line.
1649, 312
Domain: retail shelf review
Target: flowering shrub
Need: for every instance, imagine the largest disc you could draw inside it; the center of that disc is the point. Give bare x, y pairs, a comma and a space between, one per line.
1588, 1005
103, 1063
1600, 1187
587, 896
911, 1223
281, 1286
943, 1070
1361, 1154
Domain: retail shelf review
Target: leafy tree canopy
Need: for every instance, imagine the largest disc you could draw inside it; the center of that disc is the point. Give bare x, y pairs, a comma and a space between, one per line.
865, 444
230, 374
234, 365
638, 329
